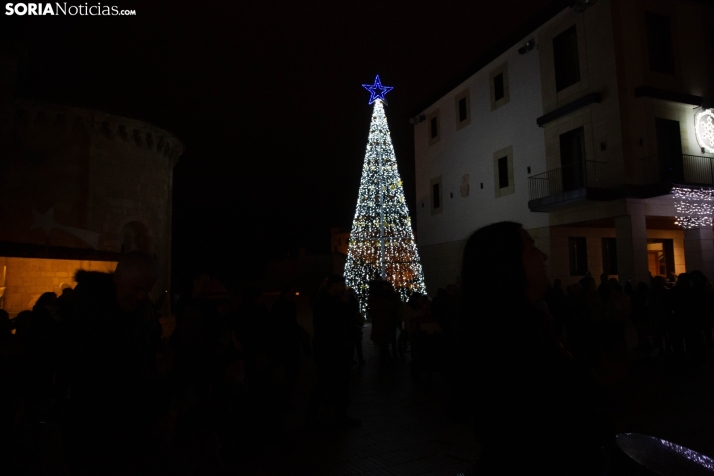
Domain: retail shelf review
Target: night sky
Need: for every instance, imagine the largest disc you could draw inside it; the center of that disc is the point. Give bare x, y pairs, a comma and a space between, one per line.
266, 97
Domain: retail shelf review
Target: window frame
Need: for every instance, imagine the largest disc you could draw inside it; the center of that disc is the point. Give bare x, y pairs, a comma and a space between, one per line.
500, 70
511, 188
465, 96
609, 255
577, 267
436, 182
434, 115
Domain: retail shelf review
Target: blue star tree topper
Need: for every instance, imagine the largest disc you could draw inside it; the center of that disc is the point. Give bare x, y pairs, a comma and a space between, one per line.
377, 90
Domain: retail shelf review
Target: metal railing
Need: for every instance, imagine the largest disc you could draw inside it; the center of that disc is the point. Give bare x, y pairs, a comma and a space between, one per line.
692, 169
586, 174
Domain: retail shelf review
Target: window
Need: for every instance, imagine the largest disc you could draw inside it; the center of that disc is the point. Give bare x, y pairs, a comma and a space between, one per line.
503, 172
434, 127
609, 255
659, 43
500, 92
565, 57
572, 159
436, 199
498, 86
578, 253
463, 109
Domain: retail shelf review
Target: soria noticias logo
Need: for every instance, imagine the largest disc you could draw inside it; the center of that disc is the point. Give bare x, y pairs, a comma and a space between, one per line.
62, 9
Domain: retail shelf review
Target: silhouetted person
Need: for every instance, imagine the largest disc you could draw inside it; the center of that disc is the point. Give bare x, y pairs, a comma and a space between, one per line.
451, 309
536, 409
659, 314
556, 299
253, 332
684, 310
358, 323
332, 350
191, 341
639, 317
385, 312
204, 351
65, 303
604, 288
10, 396
287, 335
111, 366
699, 332
196, 298
444, 307
39, 332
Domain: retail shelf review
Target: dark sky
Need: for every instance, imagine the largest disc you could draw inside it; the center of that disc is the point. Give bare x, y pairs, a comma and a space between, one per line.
266, 97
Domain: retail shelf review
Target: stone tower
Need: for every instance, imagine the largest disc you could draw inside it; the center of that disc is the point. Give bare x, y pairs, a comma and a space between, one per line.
78, 187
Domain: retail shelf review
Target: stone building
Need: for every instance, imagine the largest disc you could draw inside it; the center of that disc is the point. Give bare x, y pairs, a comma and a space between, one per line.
78, 187
579, 129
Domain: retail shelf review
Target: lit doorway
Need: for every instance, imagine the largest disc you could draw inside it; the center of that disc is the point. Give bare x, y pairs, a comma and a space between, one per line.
660, 257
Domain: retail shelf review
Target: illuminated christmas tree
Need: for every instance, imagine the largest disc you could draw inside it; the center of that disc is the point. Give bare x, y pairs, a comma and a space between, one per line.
382, 243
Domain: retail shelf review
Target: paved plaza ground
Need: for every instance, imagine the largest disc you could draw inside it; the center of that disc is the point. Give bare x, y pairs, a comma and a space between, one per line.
406, 429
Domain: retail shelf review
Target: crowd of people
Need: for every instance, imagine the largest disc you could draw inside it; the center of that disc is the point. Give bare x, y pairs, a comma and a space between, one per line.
92, 383
670, 318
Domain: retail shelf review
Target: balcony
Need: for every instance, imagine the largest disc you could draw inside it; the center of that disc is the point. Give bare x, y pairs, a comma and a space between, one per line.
687, 170
587, 180
594, 180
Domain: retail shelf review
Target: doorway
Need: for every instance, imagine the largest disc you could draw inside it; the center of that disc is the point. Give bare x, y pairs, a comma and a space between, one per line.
669, 150
572, 159
660, 257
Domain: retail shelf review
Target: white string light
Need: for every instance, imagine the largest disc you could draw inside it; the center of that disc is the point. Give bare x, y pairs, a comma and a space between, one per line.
693, 207
382, 242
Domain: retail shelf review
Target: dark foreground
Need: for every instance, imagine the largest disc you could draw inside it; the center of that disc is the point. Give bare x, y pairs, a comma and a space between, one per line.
407, 428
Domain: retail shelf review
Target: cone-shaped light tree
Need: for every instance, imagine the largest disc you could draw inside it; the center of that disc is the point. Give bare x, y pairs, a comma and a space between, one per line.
382, 243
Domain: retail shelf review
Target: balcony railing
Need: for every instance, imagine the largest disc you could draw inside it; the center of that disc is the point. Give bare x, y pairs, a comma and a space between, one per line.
656, 175
586, 174
691, 169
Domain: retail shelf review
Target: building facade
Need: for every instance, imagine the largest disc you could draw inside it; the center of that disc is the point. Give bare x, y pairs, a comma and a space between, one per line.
579, 131
79, 187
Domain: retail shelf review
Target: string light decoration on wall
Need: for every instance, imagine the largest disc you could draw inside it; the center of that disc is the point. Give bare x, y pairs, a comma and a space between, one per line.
704, 129
693, 206
382, 242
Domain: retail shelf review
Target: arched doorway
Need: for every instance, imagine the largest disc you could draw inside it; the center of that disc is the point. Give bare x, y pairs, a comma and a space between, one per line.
135, 236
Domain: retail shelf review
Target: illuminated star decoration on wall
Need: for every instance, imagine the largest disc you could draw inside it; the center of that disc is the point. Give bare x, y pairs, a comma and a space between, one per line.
704, 129
47, 223
377, 90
